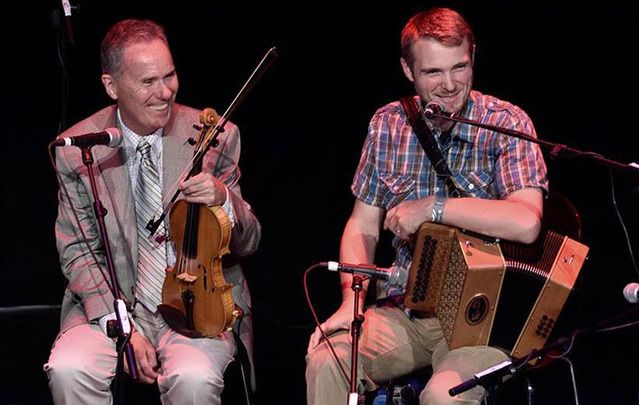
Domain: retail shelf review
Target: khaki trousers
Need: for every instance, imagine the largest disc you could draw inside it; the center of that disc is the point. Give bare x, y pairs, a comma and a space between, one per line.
392, 345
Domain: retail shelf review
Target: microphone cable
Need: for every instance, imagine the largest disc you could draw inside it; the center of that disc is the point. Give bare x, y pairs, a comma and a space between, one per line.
325, 338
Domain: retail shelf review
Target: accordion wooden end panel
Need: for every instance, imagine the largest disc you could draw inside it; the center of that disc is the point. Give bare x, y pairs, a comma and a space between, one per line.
485, 295
555, 292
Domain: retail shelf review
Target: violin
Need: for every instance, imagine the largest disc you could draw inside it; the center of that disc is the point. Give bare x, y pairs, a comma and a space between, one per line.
196, 299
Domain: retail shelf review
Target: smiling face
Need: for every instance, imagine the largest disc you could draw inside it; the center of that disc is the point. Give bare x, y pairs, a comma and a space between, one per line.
441, 73
145, 86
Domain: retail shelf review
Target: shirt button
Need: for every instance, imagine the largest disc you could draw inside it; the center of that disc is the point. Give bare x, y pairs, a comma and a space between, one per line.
471, 186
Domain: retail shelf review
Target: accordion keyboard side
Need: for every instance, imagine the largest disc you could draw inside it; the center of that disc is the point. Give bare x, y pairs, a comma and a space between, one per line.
451, 295
430, 262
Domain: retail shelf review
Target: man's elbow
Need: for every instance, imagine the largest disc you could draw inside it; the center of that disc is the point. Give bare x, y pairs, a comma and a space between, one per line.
529, 229
246, 241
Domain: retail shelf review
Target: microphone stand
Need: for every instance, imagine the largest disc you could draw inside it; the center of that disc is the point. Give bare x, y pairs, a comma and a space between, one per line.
123, 329
556, 149
356, 323
489, 377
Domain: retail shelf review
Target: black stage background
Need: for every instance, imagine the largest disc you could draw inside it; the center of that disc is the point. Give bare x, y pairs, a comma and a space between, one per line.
570, 65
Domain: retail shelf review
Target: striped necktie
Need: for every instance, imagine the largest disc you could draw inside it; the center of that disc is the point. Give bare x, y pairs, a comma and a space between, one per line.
151, 252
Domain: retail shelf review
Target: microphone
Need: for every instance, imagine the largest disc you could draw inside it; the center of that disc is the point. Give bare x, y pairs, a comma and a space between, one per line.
393, 275
631, 293
433, 107
498, 370
110, 137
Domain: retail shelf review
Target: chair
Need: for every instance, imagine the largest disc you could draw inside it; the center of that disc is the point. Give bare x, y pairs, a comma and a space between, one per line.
404, 390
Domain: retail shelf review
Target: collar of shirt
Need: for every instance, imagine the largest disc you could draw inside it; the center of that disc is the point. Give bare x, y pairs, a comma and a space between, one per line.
131, 140
459, 130
463, 132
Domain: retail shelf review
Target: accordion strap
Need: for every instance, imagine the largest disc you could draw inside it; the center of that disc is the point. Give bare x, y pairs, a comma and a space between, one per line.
429, 144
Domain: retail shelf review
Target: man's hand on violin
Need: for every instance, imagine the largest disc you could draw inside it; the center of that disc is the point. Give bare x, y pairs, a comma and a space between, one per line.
204, 188
145, 358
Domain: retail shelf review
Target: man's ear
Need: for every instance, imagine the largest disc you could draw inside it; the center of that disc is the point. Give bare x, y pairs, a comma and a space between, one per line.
407, 71
109, 86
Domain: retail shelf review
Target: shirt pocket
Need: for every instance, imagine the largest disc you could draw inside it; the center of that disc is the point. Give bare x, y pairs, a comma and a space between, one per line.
476, 184
399, 188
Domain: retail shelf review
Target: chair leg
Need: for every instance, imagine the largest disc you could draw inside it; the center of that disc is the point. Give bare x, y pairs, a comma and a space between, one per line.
245, 367
246, 384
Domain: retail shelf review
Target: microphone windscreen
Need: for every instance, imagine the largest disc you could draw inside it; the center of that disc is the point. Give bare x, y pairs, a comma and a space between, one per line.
116, 137
630, 292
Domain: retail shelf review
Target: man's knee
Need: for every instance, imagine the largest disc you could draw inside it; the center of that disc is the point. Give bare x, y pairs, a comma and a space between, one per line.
66, 370
436, 391
321, 360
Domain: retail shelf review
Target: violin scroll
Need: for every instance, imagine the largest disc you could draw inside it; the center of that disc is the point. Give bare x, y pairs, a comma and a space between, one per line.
209, 117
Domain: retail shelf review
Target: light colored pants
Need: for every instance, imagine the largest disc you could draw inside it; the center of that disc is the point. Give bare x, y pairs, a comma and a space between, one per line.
83, 361
392, 345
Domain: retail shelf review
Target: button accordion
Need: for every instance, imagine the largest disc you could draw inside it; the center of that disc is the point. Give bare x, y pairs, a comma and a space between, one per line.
490, 292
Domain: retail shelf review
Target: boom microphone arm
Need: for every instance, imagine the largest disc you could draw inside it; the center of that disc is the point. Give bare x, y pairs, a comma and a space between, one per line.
556, 150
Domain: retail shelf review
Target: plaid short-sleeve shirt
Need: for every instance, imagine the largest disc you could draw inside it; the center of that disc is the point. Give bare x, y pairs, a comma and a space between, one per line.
394, 167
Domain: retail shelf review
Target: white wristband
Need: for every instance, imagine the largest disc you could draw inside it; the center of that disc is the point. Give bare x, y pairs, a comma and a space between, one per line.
438, 210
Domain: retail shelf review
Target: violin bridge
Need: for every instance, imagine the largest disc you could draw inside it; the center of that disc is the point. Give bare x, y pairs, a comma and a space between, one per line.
186, 277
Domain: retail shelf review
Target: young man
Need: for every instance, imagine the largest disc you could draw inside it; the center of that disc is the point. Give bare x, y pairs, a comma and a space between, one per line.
396, 188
